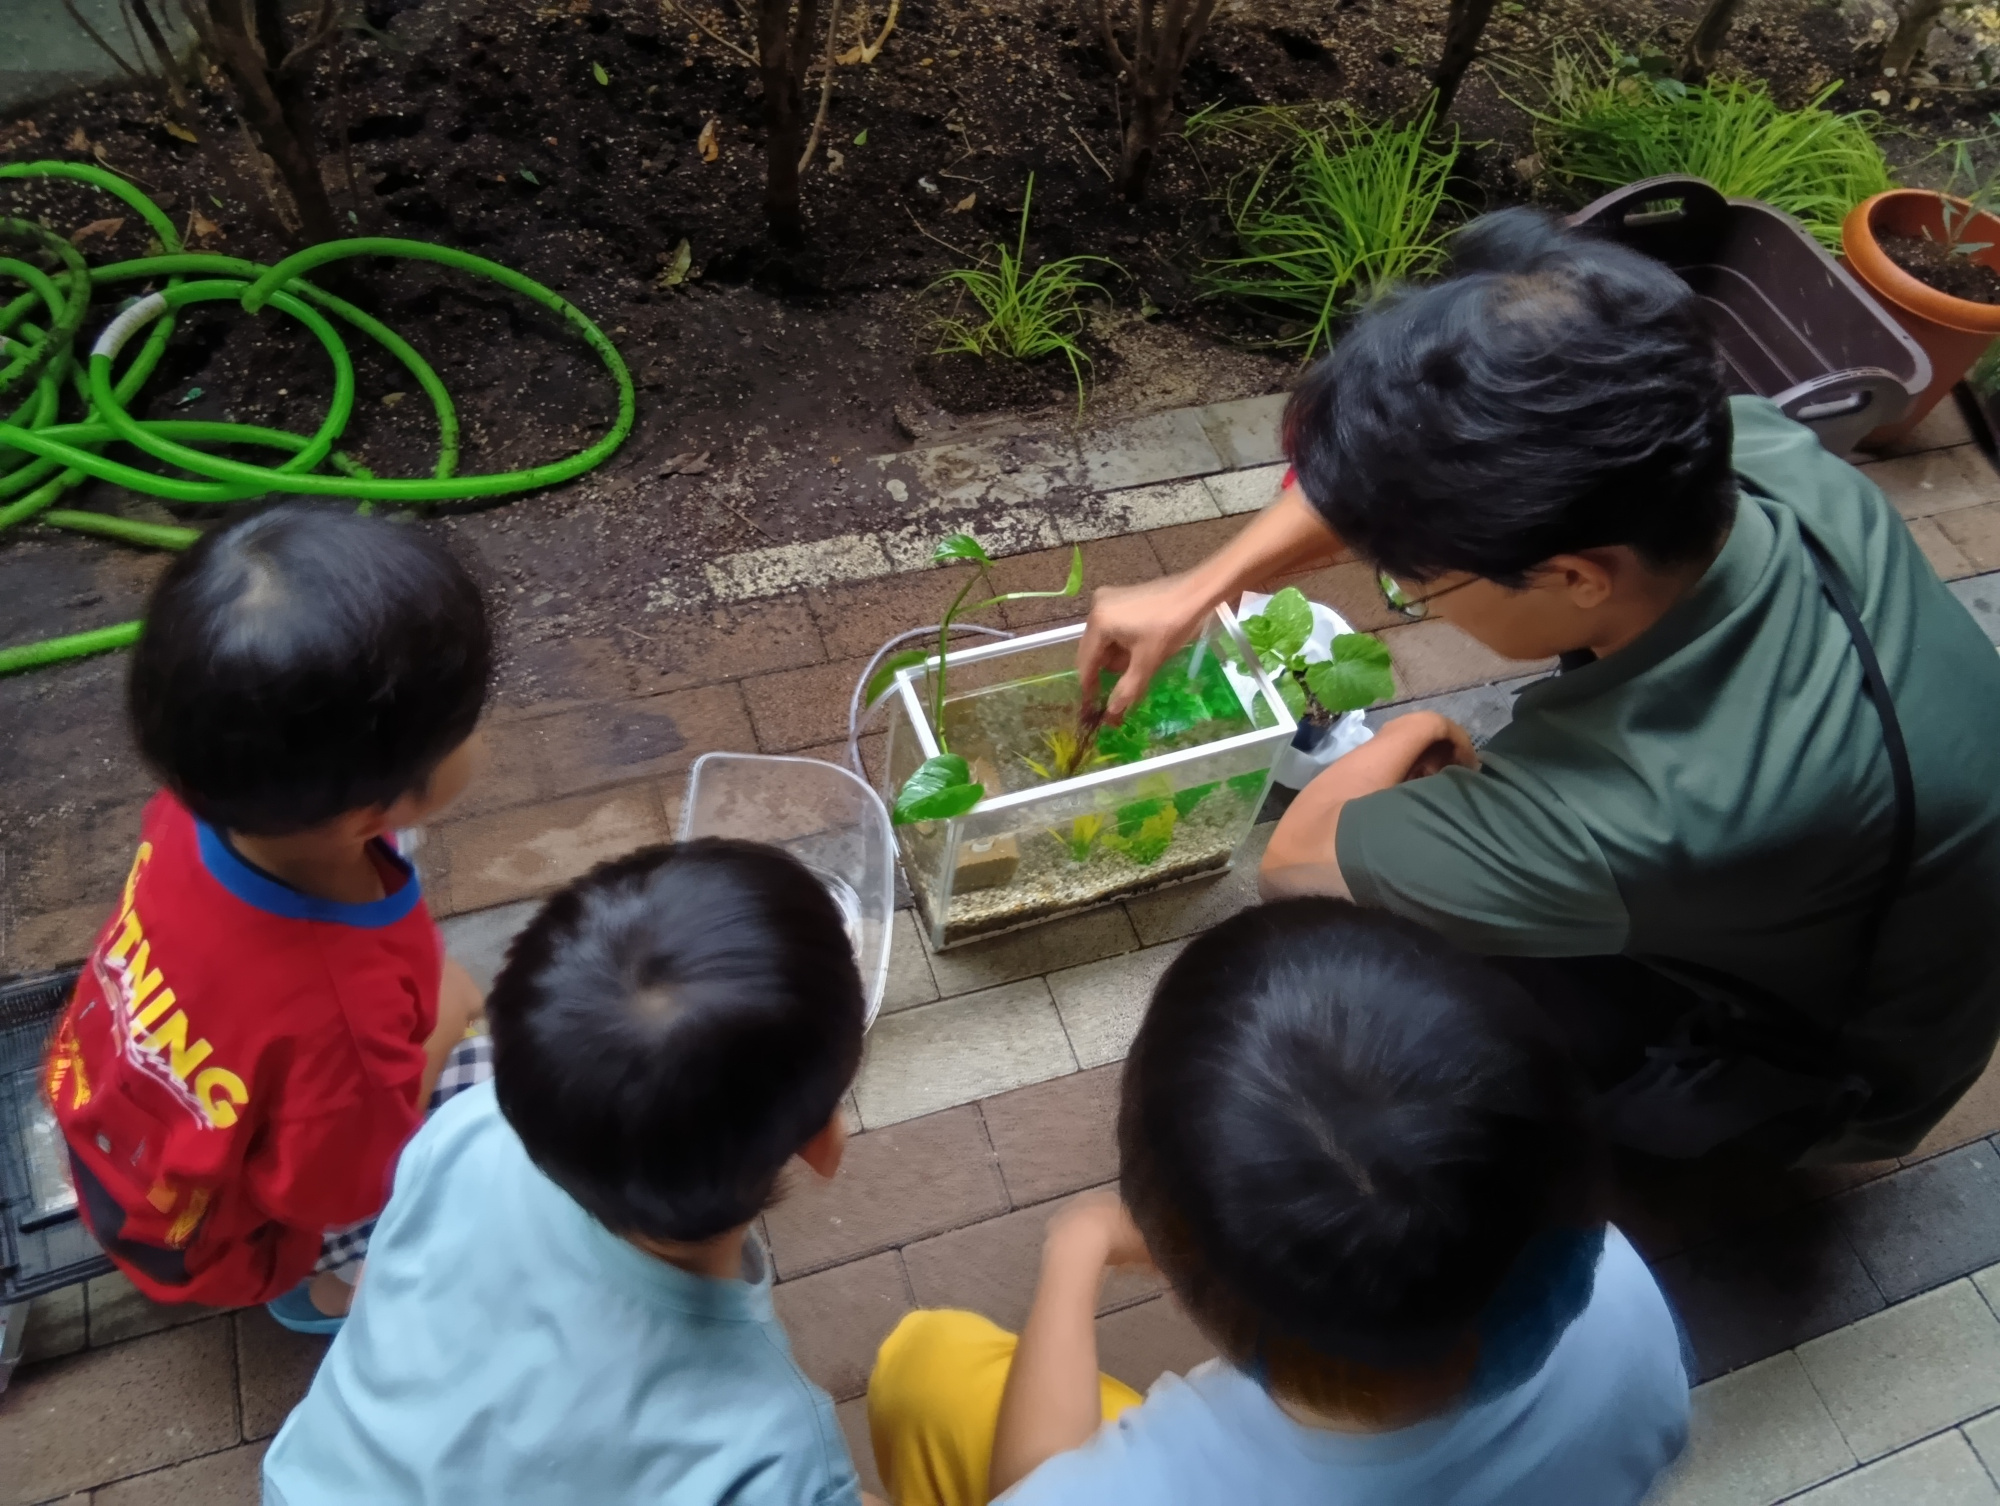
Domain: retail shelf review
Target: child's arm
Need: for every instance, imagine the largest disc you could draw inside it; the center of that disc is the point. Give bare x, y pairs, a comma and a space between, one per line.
1052, 1401
459, 1004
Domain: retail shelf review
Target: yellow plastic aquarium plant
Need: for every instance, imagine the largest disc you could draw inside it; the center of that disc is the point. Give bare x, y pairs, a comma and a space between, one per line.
942, 787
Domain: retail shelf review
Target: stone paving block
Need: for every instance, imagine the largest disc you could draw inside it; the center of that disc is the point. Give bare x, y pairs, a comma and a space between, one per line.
1980, 595
801, 707
1751, 1295
1936, 481
838, 1318
509, 771
1910, 1371
755, 574
895, 1185
55, 1326
728, 643
66, 863
1983, 1433
937, 1055
1185, 909
1928, 1223
1245, 432
1352, 590
1056, 1137
1943, 426
1975, 1116
1140, 1344
274, 1367
1247, 491
1756, 1437
539, 676
855, 620
98, 1416
35, 943
1941, 1471
853, 1417
530, 850
1139, 508
910, 979
991, 1268
230, 1478
1186, 545
1103, 1002
1430, 657
653, 737
1975, 533
1139, 451
1066, 942
118, 1310
1122, 561
1946, 558
479, 939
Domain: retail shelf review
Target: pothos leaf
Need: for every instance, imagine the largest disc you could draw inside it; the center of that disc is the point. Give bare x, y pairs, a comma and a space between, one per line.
961, 546
885, 673
1294, 697
940, 788
1070, 587
1284, 624
1357, 675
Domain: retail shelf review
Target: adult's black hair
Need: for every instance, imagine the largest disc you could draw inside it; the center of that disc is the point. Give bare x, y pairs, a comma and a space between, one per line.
1338, 1134
306, 661
672, 1028
1557, 393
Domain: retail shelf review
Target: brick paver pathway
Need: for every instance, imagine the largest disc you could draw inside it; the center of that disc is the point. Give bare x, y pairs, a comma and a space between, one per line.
987, 1093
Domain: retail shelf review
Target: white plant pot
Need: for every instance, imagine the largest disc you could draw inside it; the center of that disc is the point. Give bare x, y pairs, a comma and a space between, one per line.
1298, 765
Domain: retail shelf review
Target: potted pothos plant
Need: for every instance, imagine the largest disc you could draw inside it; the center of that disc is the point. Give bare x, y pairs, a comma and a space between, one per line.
1322, 671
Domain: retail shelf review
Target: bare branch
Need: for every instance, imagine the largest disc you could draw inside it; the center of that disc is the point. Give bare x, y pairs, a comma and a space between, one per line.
1088, 152
714, 36
109, 51
1111, 36
825, 85
872, 50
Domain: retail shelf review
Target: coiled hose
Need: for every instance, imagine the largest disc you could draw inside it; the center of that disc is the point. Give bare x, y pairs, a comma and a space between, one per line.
42, 458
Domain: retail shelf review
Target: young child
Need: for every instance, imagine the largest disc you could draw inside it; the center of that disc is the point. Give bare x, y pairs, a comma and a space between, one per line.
1368, 1176
262, 1020
564, 1300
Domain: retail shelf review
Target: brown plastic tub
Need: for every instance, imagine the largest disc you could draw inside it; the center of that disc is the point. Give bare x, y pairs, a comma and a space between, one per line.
1954, 332
1794, 325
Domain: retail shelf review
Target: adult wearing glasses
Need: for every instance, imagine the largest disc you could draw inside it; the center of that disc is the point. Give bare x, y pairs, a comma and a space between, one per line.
1745, 847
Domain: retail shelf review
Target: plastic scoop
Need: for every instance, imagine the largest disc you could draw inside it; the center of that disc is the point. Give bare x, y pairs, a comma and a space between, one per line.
824, 816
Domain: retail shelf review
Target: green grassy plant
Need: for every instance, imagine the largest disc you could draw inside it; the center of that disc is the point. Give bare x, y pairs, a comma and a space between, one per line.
1607, 120
1024, 316
1335, 211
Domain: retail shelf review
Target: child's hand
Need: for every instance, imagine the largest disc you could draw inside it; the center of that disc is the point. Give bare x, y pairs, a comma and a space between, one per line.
1096, 1225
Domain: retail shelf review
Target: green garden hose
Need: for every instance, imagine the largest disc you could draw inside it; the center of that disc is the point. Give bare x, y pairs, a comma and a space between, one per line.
41, 458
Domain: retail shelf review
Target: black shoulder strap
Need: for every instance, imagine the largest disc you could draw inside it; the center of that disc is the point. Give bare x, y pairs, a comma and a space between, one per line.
1903, 835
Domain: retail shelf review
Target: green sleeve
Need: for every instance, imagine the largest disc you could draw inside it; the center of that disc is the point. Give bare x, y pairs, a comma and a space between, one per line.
1493, 861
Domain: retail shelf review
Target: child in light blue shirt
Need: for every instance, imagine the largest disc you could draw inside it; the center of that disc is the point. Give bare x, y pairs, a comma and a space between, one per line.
564, 1299
1367, 1170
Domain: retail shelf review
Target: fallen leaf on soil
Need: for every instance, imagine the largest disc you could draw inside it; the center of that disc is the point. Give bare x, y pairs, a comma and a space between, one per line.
687, 463
192, 394
530, 177
597, 72
202, 228
96, 227
390, 399
674, 265
1880, 96
852, 55
705, 142
861, 138
178, 131
835, 159
17, 134
78, 141
964, 204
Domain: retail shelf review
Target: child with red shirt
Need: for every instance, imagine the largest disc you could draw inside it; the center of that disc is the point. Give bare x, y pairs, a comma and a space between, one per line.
265, 1016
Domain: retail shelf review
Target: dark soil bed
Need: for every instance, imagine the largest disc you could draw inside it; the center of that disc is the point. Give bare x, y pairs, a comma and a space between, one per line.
1937, 265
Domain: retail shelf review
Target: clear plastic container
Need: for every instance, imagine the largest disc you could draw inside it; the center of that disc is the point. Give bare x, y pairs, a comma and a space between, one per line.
1036, 847
827, 818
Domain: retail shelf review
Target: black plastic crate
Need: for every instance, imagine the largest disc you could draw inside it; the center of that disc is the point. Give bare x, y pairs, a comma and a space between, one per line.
41, 1249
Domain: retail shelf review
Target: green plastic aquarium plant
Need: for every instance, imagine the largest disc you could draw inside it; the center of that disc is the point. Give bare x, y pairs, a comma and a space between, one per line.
942, 787
1355, 675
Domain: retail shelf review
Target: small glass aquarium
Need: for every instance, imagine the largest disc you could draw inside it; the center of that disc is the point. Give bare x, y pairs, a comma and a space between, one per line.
1166, 796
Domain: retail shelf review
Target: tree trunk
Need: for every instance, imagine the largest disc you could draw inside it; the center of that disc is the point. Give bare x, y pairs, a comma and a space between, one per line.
1913, 30
1706, 40
1150, 114
285, 136
784, 44
1464, 24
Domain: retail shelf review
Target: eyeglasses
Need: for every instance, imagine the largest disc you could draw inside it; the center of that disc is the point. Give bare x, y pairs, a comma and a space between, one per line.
1414, 608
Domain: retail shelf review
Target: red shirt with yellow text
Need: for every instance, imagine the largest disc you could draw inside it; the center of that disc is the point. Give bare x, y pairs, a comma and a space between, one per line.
240, 1064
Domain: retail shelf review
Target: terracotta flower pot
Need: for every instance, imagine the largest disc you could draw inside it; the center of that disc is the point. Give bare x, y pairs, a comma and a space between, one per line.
1954, 332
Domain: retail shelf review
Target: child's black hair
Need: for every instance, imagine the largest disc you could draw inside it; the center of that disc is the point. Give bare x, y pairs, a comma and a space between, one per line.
1558, 393
1337, 1135
306, 661
671, 1028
